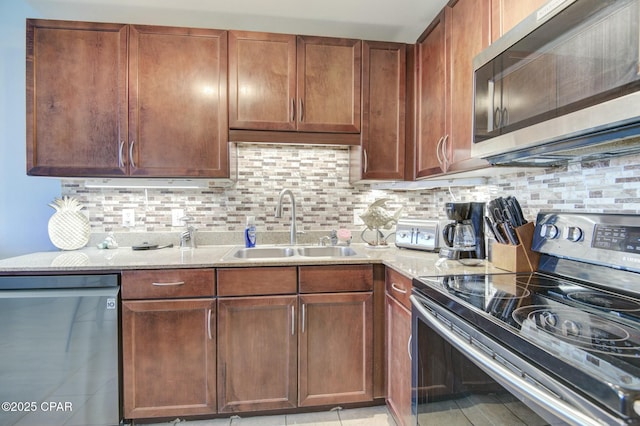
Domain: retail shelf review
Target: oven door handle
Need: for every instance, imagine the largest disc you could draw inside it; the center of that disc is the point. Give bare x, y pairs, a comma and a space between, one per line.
503, 375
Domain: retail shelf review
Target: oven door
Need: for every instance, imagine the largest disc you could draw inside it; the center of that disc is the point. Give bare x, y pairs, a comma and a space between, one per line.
460, 376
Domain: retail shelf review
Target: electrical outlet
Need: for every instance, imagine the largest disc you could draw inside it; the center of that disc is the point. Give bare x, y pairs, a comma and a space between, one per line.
356, 217
128, 218
176, 214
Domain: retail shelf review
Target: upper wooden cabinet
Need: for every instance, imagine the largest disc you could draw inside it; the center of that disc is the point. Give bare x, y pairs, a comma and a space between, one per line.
384, 95
178, 102
506, 14
294, 83
329, 77
76, 98
87, 117
445, 87
262, 81
430, 99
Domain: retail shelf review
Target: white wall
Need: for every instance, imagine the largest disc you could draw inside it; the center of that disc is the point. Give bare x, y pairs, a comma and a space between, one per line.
24, 212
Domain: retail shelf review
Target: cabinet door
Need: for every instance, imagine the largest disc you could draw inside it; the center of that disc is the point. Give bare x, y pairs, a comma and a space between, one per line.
257, 353
168, 357
76, 98
178, 102
398, 361
336, 348
506, 14
383, 121
467, 35
262, 81
329, 79
431, 98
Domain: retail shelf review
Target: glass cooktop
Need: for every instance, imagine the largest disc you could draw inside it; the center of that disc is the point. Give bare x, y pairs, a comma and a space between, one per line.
590, 328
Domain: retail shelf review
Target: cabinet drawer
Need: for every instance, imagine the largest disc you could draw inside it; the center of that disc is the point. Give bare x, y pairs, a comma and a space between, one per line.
257, 281
168, 283
335, 278
398, 287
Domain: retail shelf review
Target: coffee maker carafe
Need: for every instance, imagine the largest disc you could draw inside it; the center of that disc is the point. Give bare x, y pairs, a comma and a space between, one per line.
464, 238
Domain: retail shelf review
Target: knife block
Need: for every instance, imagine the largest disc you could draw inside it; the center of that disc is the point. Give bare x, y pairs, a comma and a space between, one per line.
518, 258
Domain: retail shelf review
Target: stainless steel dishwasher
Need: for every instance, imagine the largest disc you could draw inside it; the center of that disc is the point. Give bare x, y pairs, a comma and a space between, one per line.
59, 350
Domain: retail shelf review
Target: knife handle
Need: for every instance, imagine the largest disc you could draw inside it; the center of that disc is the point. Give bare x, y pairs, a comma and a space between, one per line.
510, 233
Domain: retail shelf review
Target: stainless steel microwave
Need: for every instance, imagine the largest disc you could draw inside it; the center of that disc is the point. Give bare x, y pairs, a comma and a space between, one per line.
563, 84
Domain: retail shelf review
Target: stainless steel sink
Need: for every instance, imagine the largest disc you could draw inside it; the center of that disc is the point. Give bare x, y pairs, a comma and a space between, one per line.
326, 251
264, 252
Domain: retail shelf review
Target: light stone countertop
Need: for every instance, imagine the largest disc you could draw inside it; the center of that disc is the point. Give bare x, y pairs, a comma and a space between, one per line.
411, 263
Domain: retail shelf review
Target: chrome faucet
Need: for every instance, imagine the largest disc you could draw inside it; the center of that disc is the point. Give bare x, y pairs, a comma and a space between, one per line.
278, 213
188, 237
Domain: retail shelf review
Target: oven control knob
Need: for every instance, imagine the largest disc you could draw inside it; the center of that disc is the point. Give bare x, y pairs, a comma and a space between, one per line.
573, 233
549, 231
550, 319
570, 328
636, 406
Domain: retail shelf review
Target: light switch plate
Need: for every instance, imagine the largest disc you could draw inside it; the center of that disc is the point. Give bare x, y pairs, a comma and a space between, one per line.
176, 214
356, 217
128, 218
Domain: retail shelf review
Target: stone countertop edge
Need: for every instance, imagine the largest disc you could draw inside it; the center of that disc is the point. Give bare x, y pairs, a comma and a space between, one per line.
411, 263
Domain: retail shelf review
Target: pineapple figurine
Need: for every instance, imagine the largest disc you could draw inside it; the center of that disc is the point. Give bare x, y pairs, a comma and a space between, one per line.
68, 227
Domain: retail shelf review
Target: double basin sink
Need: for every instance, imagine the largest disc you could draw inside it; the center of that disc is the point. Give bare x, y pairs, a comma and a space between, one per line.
286, 252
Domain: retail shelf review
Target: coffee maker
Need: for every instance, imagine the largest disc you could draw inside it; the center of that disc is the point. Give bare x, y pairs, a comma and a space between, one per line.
464, 238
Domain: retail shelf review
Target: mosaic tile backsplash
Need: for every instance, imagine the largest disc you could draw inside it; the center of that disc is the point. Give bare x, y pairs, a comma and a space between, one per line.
319, 178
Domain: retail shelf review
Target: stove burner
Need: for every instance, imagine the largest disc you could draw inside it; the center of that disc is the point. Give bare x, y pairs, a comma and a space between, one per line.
605, 301
582, 329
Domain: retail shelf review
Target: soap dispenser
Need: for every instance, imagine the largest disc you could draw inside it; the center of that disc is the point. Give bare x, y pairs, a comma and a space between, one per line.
250, 232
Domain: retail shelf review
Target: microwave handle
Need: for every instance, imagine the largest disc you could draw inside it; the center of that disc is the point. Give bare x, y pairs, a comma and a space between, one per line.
503, 375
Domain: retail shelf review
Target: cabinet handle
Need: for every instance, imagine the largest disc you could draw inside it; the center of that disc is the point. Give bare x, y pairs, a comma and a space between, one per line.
398, 289
168, 284
445, 159
303, 317
301, 110
209, 323
497, 118
120, 152
293, 321
366, 160
133, 164
438, 147
505, 116
293, 109
409, 346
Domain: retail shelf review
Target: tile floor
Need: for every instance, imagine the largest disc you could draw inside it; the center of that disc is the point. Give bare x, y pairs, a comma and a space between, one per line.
370, 416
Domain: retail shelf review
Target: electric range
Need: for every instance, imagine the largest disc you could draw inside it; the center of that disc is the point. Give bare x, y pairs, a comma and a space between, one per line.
572, 328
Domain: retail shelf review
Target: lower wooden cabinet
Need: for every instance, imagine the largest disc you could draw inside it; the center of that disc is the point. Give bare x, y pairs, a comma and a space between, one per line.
398, 338
169, 357
336, 348
275, 338
398, 361
257, 353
